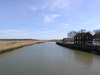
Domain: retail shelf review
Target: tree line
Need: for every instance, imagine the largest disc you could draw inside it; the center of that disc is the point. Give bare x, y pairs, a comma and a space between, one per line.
71, 34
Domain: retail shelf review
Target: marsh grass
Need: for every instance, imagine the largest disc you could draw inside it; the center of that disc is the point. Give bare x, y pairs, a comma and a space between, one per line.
10, 45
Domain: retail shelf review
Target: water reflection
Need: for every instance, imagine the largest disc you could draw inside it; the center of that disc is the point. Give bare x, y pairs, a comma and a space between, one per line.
83, 59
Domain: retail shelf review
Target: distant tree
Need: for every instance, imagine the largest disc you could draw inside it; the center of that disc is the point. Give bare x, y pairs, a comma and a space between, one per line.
71, 34
97, 31
82, 31
96, 34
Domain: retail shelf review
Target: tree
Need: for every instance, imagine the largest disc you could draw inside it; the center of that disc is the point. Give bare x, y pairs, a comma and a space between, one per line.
96, 31
71, 34
96, 34
82, 31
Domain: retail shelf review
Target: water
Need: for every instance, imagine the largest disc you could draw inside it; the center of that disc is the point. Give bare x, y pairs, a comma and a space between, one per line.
48, 59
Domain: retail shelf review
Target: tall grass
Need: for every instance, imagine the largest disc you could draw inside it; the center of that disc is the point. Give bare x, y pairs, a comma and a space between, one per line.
7, 45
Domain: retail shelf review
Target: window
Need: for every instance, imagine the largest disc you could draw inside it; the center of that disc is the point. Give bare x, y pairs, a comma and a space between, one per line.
87, 37
82, 37
75, 37
90, 37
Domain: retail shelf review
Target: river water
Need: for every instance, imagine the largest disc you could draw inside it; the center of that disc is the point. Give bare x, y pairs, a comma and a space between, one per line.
48, 59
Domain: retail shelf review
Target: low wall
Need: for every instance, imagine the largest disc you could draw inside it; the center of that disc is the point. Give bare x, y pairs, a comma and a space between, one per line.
86, 48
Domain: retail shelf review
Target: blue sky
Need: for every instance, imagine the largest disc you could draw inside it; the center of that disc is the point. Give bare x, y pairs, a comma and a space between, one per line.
47, 19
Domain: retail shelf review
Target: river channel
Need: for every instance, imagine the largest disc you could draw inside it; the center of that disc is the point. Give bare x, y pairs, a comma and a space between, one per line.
48, 59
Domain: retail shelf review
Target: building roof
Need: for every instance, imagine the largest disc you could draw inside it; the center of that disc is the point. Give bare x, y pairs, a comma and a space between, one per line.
83, 34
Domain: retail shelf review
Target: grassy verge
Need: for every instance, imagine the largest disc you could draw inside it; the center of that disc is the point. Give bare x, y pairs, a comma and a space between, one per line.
6, 46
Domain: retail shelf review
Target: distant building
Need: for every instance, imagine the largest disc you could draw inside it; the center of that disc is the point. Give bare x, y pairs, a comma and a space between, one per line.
68, 39
83, 38
96, 39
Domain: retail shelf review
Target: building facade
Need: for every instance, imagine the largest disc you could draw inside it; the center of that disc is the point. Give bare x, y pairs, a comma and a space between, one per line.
96, 39
83, 38
68, 39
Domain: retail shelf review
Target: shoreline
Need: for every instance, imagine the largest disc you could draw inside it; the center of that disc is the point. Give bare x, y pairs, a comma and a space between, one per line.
6, 46
85, 48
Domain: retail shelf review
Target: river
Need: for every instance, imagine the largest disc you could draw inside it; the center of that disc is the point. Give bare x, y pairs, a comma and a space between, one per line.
48, 59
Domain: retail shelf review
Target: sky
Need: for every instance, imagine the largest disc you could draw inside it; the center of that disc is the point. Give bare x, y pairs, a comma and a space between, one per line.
47, 19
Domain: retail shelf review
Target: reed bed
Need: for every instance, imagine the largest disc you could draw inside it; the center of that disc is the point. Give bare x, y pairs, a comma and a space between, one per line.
11, 45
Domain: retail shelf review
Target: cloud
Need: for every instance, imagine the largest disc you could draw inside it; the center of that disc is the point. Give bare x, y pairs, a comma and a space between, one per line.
97, 27
49, 31
15, 33
56, 4
34, 9
65, 24
50, 18
56, 35
45, 31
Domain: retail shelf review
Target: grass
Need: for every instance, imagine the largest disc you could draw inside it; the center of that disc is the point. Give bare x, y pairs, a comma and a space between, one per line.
10, 45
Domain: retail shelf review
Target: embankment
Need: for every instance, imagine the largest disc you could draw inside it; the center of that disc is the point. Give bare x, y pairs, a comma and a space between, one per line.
80, 47
8, 45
